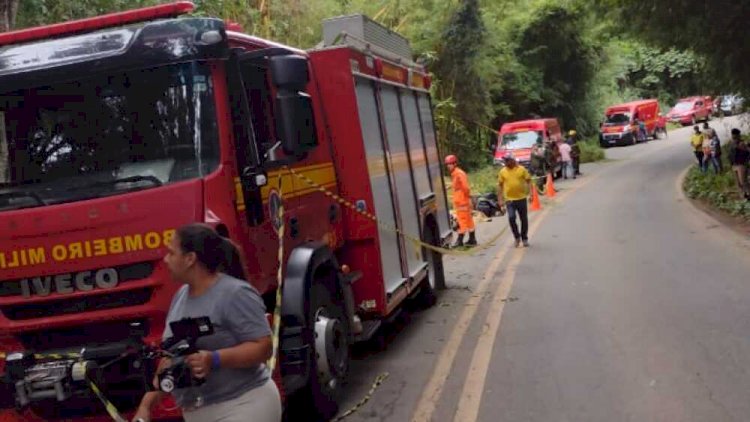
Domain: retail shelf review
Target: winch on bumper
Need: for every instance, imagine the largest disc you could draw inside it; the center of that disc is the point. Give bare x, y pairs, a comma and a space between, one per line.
37, 378
33, 381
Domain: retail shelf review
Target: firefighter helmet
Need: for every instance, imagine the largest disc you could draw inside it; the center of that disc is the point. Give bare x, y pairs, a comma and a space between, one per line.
451, 159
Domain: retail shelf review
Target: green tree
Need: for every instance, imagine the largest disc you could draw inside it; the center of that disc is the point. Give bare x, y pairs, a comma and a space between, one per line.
8, 10
460, 88
558, 62
664, 74
715, 30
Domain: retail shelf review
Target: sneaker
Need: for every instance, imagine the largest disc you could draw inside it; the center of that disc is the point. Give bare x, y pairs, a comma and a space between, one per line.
526, 243
518, 242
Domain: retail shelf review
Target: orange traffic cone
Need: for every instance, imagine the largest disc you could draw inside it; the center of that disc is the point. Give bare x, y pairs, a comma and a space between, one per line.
549, 190
535, 204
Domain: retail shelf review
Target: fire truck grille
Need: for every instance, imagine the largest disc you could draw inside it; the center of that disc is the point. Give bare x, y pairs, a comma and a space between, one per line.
83, 335
126, 273
99, 302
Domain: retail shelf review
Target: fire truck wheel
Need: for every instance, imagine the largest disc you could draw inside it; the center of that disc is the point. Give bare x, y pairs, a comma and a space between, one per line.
331, 352
435, 279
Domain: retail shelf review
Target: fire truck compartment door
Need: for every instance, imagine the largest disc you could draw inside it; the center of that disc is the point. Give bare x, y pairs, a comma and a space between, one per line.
406, 198
416, 146
434, 163
380, 183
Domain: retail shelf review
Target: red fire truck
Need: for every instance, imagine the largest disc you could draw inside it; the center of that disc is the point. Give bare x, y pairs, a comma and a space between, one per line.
117, 130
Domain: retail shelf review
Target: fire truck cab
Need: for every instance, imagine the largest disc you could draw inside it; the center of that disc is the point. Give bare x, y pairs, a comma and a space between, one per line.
117, 130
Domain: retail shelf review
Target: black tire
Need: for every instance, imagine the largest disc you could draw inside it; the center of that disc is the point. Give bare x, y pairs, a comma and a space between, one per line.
319, 399
435, 279
487, 210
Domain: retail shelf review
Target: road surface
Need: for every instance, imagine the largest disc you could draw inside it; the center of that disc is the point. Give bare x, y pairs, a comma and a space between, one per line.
630, 305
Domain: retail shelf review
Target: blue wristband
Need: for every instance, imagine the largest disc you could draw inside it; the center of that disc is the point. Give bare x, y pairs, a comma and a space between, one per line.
215, 361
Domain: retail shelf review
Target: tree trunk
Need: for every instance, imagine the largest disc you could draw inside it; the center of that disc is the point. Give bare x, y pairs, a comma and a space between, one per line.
8, 10
264, 9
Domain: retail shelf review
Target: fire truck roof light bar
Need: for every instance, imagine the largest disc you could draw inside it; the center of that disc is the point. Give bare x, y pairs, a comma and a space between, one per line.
98, 22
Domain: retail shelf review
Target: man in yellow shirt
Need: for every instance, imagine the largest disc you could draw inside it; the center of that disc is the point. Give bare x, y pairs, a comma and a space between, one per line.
696, 141
513, 187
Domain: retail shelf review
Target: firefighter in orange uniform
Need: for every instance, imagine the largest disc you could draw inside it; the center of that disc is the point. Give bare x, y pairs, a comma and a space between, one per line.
461, 201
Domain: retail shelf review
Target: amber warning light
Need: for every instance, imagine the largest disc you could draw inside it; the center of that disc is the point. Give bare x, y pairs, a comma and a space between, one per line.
98, 22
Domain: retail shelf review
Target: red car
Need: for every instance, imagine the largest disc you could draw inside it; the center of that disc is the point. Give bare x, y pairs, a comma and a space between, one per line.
690, 110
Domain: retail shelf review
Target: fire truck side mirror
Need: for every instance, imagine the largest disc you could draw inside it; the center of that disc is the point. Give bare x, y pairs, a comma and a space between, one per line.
254, 179
289, 72
295, 122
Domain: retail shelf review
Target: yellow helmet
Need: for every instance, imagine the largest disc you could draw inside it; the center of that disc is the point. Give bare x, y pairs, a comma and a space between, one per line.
572, 133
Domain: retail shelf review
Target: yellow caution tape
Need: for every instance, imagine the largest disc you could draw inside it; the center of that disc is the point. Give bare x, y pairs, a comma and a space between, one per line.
378, 381
111, 409
415, 241
279, 280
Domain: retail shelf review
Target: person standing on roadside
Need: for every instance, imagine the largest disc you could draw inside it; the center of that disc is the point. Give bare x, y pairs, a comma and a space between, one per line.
567, 160
696, 141
640, 129
461, 202
708, 131
575, 152
550, 156
739, 155
716, 153
513, 187
538, 164
708, 134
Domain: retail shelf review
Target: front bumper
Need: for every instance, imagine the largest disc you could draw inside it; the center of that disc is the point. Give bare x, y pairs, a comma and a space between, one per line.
683, 120
613, 139
501, 163
55, 385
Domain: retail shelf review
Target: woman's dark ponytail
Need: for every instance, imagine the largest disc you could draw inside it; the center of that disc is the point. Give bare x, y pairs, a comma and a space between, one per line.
216, 253
233, 264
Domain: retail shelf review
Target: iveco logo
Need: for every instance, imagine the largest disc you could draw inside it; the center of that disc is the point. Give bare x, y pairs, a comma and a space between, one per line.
106, 278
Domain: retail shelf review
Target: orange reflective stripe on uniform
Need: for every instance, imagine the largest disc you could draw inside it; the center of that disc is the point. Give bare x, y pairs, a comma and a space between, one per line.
462, 200
460, 183
465, 221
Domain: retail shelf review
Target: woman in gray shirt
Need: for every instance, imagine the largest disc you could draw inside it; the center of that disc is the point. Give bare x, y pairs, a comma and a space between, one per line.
237, 386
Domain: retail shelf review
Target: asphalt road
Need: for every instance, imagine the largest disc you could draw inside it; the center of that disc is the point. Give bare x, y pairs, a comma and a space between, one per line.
630, 305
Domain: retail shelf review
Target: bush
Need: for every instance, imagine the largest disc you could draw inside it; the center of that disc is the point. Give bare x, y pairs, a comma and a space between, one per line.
719, 191
591, 151
484, 180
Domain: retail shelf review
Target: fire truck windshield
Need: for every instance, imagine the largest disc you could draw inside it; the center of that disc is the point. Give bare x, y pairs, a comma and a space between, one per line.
525, 139
106, 134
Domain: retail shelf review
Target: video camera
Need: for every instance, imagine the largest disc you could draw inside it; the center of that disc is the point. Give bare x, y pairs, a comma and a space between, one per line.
185, 333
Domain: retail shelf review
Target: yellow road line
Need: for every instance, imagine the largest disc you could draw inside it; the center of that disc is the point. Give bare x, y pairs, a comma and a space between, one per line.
434, 388
471, 394
431, 394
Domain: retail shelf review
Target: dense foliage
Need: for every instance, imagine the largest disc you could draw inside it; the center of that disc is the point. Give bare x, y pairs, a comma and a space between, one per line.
720, 191
714, 29
502, 60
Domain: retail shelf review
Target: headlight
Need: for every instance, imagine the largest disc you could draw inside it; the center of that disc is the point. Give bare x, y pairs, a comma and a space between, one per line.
626, 129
